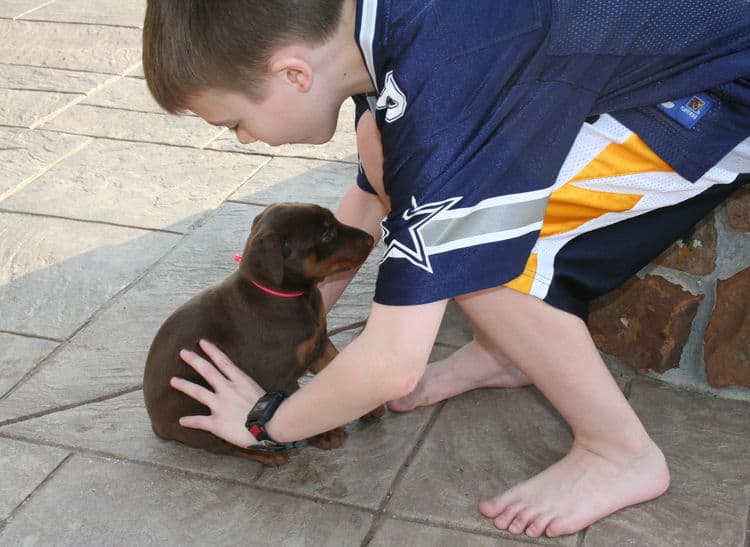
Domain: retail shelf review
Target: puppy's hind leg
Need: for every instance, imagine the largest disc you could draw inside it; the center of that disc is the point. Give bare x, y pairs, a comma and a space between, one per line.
329, 439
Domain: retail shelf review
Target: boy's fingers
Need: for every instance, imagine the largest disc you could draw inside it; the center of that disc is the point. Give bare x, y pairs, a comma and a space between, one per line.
196, 422
207, 370
225, 364
219, 358
194, 391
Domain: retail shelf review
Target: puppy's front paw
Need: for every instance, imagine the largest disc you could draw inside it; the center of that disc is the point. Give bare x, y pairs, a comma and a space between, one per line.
374, 414
330, 439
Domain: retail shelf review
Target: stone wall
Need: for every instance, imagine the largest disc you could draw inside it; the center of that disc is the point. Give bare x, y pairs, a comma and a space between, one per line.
685, 318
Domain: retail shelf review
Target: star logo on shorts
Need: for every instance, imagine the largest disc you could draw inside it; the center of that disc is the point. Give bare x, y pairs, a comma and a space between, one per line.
417, 218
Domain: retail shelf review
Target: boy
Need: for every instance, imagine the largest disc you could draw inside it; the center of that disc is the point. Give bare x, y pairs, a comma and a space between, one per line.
466, 113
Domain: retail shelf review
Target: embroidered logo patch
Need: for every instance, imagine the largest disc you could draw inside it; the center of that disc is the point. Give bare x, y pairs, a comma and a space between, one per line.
695, 104
687, 111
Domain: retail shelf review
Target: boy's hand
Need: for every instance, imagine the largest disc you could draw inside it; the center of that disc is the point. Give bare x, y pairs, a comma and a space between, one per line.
234, 394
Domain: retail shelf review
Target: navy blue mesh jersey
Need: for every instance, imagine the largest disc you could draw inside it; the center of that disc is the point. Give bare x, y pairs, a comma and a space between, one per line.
479, 102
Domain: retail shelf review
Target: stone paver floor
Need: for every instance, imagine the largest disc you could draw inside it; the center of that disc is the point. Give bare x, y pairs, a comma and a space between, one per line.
113, 213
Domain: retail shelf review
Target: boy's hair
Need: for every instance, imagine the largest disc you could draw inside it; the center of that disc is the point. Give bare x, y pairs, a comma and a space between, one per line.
193, 44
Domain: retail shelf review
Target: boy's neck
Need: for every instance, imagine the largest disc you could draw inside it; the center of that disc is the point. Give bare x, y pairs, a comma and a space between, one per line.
340, 59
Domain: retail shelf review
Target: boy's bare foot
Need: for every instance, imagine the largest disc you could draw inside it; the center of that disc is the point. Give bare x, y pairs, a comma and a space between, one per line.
579, 490
470, 367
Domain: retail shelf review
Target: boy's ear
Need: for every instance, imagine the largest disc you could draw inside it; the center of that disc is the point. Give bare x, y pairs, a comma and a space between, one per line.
294, 71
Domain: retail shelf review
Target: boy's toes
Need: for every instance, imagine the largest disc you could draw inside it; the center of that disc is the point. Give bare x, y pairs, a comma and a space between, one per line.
503, 520
493, 507
520, 522
537, 527
560, 527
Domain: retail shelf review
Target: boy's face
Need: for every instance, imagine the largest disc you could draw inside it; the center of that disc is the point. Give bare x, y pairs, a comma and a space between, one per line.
282, 117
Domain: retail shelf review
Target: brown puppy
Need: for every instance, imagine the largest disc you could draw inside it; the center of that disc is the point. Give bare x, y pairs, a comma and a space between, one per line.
274, 339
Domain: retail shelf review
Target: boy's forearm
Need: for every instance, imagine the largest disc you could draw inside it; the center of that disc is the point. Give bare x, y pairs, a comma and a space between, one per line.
382, 364
345, 390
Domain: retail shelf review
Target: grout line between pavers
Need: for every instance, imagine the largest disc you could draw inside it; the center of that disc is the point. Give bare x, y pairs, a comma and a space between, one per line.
74, 102
33, 9
627, 389
38, 487
101, 309
201, 221
74, 70
134, 141
350, 326
31, 335
77, 23
381, 514
581, 537
101, 398
128, 71
269, 155
34, 90
499, 535
44, 170
193, 473
216, 136
92, 221
251, 203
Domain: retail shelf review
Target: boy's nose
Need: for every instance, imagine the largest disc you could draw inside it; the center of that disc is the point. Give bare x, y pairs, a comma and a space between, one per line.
244, 137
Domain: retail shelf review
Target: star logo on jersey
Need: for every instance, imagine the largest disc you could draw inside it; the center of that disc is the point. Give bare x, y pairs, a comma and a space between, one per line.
391, 99
413, 248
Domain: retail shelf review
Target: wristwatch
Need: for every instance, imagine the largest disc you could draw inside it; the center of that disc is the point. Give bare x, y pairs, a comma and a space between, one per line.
259, 416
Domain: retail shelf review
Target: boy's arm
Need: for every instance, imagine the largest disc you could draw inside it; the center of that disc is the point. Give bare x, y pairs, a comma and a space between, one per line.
388, 358
384, 363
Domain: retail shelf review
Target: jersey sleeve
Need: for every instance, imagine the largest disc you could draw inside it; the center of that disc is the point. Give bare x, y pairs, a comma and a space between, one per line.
360, 107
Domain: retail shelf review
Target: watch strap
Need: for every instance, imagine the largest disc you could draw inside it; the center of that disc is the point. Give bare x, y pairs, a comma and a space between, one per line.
257, 418
265, 442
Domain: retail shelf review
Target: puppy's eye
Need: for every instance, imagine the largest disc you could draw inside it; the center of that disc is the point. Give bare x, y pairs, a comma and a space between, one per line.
286, 250
328, 235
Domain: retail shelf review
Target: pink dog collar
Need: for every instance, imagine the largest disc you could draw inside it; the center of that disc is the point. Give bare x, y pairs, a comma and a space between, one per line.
276, 293
238, 258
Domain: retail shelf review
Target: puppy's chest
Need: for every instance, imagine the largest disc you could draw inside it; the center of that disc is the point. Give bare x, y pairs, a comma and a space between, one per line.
311, 347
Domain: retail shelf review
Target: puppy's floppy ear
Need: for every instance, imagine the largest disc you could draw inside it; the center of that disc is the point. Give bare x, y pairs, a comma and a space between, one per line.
259, 216
267, 253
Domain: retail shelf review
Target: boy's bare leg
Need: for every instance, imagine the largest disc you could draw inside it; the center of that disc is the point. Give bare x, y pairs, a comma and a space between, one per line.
475, 365
612, 464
